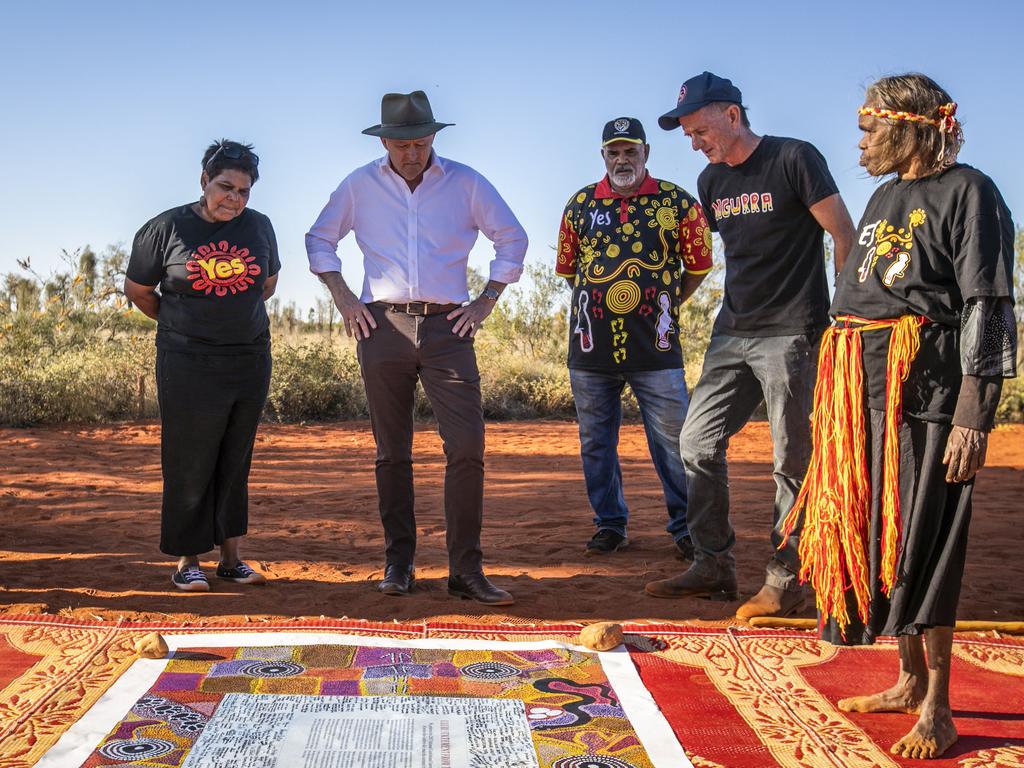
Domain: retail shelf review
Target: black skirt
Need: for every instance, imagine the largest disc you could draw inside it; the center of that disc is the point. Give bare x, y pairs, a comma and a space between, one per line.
935, 517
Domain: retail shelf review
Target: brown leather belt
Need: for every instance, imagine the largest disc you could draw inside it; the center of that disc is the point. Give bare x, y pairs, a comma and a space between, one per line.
419, 308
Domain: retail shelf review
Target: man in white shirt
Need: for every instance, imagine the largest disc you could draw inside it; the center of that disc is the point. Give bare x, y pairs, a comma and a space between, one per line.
416, 216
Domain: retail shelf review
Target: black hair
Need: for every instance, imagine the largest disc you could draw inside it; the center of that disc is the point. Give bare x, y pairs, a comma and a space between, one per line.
227, 155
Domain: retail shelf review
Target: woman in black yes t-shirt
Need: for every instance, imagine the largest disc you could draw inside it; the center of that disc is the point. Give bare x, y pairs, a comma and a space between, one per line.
925, 296
203, 271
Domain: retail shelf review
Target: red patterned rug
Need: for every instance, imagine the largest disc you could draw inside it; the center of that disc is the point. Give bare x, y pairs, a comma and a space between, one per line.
732, 697
750, 699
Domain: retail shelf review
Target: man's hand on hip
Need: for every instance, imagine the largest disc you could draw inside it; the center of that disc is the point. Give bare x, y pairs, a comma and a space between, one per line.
965, 453
471, 316
357, 317
355, 314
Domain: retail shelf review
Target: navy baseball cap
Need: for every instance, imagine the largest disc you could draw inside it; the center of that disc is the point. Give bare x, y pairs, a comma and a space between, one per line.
623, 129
697, 92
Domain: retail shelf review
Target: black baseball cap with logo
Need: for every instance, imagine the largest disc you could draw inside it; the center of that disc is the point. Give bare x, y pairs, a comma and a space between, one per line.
623, 129
696, 93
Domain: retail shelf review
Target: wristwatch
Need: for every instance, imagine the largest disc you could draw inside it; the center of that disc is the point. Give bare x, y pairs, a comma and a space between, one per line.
491, 293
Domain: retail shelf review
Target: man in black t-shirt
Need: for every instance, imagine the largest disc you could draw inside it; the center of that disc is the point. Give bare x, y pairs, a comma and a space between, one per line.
771, 199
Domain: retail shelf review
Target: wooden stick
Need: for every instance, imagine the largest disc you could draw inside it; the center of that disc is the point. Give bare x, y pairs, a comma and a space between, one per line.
1006, 627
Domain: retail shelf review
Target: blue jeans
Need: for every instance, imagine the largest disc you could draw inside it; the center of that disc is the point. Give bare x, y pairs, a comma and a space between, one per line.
663, 401
738, 374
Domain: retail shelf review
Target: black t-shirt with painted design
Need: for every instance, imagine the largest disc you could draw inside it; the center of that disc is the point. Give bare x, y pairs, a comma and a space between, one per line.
626, 256
775, 282
925, 247
211, 278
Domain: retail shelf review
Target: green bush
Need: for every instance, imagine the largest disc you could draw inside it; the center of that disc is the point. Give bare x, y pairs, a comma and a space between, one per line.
518, 388
315, 381
69, 352
1011, 404
320, 380
101, 381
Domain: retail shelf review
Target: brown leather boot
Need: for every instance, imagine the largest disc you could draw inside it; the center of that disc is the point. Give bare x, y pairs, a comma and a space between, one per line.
697, 581
772, 601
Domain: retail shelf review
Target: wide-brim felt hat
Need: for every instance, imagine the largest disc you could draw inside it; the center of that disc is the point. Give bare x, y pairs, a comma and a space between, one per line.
405, 116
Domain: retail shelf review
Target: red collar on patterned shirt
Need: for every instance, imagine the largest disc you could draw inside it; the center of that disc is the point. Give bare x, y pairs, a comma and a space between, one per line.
604, 189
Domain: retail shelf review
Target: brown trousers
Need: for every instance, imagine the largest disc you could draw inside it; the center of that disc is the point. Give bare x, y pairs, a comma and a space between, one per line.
402, 349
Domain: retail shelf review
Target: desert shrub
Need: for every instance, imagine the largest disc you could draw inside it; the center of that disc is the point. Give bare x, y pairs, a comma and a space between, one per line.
100, 381
315, 381
517, 388
72, 350
1011, 404
530, 321
696, 318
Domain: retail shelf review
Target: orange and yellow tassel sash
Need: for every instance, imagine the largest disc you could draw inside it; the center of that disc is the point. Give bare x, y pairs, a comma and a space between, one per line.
835, 498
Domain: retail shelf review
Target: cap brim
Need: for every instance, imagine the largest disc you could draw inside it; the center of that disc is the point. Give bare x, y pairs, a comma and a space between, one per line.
622, 138
670, 120
405, 132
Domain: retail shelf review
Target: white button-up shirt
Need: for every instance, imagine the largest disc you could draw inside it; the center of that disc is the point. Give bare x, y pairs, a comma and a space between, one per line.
416, 244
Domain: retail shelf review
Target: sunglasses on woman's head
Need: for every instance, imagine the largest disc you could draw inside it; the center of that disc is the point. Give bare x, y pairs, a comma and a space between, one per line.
233, 152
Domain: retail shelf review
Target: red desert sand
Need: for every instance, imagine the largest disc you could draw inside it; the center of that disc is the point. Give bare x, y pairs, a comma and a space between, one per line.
79, 516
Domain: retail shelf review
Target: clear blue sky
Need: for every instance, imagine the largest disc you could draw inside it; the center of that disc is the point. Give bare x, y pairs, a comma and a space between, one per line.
107, 106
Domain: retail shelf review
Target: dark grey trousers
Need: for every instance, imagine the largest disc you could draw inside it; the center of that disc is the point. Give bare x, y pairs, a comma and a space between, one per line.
402, 349
738, 373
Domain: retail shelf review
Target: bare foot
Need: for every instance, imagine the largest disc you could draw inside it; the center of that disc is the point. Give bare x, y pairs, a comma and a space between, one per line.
929, 738
905, 698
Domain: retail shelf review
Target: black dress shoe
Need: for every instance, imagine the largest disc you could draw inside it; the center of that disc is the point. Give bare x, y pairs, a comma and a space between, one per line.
475, 586
398, 580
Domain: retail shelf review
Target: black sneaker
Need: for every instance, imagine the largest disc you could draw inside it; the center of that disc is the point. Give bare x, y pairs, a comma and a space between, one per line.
240, 573
606, 540
684, 549
192, 579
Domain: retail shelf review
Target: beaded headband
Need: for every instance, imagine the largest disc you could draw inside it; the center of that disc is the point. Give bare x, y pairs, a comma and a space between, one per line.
947, 123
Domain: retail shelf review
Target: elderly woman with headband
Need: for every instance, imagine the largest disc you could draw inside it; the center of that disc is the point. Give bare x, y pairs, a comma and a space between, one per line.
203, 271
908, 382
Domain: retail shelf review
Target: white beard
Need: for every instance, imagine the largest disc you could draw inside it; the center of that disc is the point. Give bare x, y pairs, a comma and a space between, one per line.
624, 180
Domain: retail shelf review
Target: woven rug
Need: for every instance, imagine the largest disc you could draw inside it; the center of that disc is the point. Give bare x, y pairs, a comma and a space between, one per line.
750, 699
732, 698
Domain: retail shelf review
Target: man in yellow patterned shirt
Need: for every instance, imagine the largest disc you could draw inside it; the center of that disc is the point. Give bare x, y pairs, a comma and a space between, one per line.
634, 248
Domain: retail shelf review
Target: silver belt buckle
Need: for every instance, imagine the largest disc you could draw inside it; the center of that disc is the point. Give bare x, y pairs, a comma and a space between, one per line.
422, 308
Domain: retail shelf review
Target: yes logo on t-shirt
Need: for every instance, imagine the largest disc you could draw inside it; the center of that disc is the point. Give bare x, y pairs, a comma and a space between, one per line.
220, 268
603, 219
